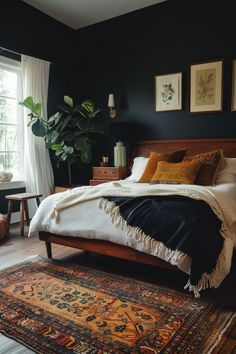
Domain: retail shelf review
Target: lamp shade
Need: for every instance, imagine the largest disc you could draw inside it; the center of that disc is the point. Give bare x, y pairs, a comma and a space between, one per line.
111, 102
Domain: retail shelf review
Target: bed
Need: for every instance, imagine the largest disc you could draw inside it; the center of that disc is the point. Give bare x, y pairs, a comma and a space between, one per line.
85, 240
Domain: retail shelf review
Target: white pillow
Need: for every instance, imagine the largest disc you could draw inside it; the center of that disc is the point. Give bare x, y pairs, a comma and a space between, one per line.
228, 173
139, 165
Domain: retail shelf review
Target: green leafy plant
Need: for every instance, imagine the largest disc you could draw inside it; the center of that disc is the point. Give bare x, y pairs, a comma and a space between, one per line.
69, 132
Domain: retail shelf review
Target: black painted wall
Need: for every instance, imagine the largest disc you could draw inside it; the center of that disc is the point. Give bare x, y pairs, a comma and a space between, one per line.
4, 202
124, 54
27, 30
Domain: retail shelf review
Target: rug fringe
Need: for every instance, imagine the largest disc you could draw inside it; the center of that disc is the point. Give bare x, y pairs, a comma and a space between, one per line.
175, 257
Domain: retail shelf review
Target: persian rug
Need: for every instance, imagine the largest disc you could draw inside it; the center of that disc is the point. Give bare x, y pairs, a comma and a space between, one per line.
57, 307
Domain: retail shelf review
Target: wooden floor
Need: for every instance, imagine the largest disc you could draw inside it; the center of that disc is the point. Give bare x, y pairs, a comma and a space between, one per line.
16, 248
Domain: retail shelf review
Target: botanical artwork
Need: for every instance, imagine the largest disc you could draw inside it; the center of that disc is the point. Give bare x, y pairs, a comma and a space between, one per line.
206, 87
169, 92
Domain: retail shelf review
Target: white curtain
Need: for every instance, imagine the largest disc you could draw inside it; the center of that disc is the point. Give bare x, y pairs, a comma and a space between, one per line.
37, 165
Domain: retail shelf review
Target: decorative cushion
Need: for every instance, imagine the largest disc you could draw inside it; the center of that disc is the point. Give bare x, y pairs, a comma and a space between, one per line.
154, 158
227, 172
209, 162
174, 173
3, 226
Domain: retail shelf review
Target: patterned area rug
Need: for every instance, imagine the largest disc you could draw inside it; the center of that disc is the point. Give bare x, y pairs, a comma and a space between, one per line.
56, 307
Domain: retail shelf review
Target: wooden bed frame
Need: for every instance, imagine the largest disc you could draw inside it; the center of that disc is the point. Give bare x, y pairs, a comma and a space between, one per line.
142, 148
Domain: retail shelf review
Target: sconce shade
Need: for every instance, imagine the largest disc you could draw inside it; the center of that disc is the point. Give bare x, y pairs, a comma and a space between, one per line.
111, 102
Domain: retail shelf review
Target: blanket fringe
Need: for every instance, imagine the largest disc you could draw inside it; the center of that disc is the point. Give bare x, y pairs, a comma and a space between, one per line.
175, 257
157, 248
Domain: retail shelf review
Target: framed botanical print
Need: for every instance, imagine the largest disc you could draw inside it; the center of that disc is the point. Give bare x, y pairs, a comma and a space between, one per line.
168, 92
233, 99
206, 87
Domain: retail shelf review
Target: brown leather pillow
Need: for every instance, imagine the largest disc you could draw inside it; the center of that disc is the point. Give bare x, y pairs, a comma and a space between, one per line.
154, 158
209, 162
176, 173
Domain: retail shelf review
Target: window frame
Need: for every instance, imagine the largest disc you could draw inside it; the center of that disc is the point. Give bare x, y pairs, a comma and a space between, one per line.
15, 67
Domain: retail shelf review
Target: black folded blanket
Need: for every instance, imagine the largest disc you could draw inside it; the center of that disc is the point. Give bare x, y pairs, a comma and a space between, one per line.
180, 223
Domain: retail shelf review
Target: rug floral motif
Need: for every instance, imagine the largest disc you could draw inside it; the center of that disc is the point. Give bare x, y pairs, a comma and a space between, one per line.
55, 307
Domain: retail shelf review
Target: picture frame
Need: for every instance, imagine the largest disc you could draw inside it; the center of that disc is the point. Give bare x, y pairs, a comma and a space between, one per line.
206, 87
233, 97
168, 92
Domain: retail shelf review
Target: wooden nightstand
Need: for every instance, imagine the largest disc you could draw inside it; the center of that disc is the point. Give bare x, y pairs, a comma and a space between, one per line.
108, 174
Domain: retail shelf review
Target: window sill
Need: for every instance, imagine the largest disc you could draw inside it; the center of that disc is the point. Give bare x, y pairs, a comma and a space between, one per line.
12, 185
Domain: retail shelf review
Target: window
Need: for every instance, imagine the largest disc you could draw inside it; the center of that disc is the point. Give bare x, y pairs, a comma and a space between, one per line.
11, 118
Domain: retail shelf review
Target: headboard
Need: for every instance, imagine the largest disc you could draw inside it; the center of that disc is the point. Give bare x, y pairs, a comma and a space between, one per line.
194, 146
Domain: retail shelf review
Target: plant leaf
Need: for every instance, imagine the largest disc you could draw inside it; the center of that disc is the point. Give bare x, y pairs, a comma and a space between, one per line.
63, 108
39, 128
28, 102
68, 100
55, 118
88, 105
69, 150
59, 152
65, 122
82, 144
37, 109
52, 136
56, 147
86, 154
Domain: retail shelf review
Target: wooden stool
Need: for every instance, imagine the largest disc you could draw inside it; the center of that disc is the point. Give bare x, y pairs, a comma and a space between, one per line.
22, 198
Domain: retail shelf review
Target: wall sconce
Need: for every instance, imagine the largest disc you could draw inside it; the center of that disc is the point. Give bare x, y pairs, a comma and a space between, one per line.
111, 105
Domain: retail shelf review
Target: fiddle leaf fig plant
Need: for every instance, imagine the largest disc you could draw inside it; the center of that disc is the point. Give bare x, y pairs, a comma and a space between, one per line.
69, 132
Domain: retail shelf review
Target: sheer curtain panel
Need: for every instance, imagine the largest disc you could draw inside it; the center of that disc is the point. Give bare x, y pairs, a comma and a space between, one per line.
37, 164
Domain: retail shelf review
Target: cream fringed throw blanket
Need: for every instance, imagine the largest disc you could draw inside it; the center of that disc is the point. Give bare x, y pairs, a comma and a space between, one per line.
220, 199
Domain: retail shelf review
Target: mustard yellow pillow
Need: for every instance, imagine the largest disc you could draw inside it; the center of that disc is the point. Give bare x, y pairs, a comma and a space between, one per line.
176, 173
154, 158
209, 162
150, 169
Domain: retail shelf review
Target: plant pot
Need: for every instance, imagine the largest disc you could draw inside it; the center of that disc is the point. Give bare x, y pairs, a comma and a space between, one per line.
5, 176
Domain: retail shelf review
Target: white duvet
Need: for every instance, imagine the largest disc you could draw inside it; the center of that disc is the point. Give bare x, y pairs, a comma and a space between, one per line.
79, 212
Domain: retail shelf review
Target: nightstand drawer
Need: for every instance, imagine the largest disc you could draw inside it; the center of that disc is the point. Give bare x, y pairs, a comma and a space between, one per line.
109, 173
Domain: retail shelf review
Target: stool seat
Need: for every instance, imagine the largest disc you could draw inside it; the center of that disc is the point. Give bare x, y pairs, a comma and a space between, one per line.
22, 198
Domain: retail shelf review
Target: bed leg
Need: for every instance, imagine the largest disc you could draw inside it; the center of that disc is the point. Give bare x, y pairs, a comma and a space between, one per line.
49, 249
